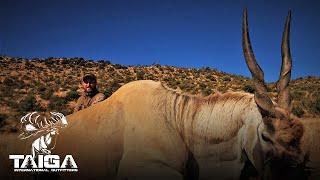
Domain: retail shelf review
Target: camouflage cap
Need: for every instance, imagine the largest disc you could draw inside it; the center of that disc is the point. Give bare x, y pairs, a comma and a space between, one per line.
89, 78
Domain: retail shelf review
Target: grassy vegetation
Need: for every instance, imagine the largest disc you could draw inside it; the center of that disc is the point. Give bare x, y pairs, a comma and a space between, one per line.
52, 84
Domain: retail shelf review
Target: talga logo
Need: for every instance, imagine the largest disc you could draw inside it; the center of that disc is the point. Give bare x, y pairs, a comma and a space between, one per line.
41, 159
45, 163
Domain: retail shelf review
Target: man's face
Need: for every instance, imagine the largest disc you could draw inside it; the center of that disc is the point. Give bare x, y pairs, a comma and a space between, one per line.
89, 85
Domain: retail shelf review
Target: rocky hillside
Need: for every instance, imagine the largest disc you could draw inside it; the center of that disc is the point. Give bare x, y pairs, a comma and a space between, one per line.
53, 84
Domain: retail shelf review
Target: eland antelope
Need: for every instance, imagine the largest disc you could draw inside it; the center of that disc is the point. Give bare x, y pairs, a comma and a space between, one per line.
148, 131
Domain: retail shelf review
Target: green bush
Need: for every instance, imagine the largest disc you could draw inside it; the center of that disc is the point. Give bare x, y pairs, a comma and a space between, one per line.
9, 81
298, 111
317, 105
72, 95
119, 66
13, 83
29, 104
108, 92
226, 78
150, 76
297, 94
6, 91
222, 89
41, 88
47, 94
74, 88
206, 92
128, 79
248, 88
106, 62
182, 86
111, 88
205, 69
173, 83
58, 104
13, 103
202, 86
140, 75
211, 77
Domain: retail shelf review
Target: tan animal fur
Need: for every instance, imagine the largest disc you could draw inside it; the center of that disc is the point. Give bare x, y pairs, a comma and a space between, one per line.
144, 130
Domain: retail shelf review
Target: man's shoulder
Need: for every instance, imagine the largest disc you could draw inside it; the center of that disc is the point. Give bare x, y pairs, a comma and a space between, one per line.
99, 96
82, 96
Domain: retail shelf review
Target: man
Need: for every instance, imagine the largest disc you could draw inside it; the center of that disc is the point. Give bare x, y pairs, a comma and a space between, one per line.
91, 95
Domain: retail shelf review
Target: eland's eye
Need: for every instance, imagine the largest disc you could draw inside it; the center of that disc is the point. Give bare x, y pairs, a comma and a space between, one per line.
266, 138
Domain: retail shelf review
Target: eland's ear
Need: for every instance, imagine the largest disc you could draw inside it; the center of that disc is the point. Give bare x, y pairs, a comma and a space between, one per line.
258, 161
252, 148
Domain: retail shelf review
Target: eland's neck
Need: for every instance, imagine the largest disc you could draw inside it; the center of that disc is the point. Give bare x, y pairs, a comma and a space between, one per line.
202, 121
